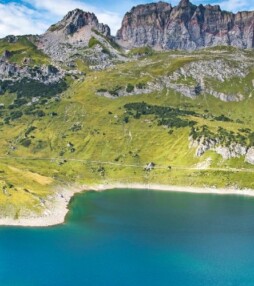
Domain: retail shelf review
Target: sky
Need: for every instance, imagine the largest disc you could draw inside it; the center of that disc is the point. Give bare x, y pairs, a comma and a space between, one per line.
18, 17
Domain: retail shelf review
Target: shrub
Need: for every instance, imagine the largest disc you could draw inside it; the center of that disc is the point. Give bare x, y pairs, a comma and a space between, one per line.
29, 130
129, 88
16, 114
141, 85
224, 118
126, 119
93, 42
102, 90
40, 113
26, 142
143, 51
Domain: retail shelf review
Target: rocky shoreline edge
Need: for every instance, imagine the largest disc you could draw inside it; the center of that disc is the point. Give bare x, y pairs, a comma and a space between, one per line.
58, 208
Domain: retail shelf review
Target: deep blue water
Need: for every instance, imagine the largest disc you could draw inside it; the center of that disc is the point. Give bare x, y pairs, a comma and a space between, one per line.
135, 238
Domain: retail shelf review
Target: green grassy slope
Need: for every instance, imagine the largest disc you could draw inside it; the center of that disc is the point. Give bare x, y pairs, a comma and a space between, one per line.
86, 138
23, 48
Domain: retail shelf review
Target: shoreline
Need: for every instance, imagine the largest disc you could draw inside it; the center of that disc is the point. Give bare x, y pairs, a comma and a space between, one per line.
57, 208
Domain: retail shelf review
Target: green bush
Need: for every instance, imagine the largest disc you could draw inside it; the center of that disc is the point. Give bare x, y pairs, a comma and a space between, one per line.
143, 51
102, 90
39, 113
141, 85
16, 114
129, 88
224, 118
93, 42
26, 142
30, 130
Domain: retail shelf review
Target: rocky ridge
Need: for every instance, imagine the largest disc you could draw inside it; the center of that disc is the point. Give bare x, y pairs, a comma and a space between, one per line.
70, 39
185, 26
198, 72
201, 72
234, 150
46, 74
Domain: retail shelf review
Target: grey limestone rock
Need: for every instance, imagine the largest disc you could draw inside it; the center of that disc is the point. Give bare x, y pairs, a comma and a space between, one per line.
250, 156
185, 26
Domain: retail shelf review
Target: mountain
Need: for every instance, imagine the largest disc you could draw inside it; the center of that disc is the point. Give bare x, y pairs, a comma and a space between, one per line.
185, 26
71, 38
77, 108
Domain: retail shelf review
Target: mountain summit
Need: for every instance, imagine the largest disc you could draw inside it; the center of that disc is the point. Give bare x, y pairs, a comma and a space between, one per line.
76, 20
158, 25
185, 26
71, 36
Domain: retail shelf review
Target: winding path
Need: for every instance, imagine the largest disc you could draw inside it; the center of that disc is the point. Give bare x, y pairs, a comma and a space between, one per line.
171, 167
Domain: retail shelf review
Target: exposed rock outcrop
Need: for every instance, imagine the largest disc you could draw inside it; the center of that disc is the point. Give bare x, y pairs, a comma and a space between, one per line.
77, 19
199, 72
186, 27
70, 39
250, 156
234, 150
203, 71
14, 72
202, 145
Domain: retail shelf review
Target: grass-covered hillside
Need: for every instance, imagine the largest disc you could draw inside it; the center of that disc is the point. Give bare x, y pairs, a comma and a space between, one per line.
109, 125
22, 48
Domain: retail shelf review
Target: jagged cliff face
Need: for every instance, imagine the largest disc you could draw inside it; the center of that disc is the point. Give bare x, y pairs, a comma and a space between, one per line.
62, 40
76, 20
185, 26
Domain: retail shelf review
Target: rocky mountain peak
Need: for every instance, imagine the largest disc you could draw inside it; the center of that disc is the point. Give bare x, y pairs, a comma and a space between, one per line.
78, 19
184, 3
185, 26
73, 13
159, 7
79, 35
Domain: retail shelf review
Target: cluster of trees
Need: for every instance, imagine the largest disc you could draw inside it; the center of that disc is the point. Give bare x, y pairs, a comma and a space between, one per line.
114, 91
223, 118
203, 131
27, 88
228, 137
223, 136
143, 108
129, 88
167, 116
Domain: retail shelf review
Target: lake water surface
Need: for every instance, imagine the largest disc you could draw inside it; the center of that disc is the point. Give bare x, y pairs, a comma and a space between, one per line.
136, 238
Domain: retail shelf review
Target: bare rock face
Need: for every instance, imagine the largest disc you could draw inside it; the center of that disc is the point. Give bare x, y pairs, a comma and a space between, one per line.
186, 27
64, 39
233, 151
76, 20
13, 72
250, 156
79, 36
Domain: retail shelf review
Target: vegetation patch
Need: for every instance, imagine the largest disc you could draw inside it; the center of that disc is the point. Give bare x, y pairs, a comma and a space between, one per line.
143, 51
223, 136
93, 42
22, 47
166, 116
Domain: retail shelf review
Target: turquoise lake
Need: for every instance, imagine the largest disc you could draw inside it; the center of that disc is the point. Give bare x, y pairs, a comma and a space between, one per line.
136, 238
